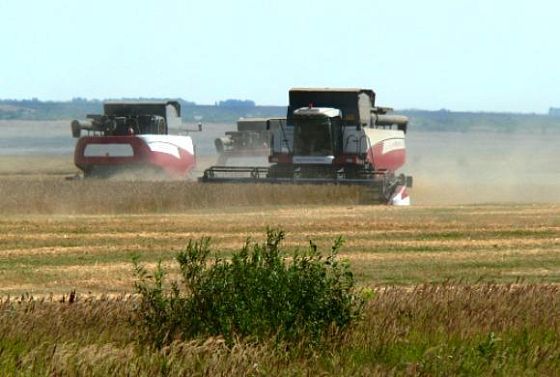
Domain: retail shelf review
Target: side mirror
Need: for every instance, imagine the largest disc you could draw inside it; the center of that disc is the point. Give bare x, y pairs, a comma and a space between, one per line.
76, 128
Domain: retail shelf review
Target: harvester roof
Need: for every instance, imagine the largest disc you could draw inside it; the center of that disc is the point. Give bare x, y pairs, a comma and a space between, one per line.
334, 90
354, 103
139, 107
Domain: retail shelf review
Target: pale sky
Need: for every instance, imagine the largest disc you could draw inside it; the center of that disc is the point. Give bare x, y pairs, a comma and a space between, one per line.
461, 55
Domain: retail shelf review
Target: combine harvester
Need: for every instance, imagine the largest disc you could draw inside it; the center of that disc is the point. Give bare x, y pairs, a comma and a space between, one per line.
250, 141
335, 136
133, 137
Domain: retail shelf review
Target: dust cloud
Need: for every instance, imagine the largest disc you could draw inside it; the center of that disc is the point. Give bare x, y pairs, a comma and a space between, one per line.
471, 168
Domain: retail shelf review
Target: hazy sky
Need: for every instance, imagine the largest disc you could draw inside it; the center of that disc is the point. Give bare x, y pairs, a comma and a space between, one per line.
493, 55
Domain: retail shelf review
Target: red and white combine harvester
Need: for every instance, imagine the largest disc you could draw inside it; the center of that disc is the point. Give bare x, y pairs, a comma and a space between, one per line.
250, 141
333, 136
132, 136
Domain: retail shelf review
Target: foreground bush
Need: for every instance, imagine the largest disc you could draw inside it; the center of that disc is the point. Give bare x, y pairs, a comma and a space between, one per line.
259, 293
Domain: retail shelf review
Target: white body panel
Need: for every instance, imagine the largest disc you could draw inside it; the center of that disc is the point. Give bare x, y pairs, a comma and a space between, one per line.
377, 135
173, 119
359, 141
354, 141
314, 111
108, 150
400, 197
169, 144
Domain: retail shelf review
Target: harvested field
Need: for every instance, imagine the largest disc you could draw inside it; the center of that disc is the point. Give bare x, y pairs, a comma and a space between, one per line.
44, 254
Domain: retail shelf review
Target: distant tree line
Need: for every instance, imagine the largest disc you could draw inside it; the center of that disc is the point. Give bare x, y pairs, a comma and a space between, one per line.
445, 120
77, 108
229, 110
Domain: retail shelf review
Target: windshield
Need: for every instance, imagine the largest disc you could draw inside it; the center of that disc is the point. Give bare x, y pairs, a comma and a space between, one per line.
312, 137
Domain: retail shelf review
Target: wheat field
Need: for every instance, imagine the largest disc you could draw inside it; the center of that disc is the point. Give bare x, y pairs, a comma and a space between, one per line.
83, 235
464, 282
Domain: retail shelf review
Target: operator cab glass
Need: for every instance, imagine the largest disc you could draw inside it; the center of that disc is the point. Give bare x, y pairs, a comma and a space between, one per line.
313, 137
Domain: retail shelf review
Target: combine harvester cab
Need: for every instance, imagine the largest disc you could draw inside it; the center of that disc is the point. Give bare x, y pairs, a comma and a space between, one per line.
333, 136
132, 137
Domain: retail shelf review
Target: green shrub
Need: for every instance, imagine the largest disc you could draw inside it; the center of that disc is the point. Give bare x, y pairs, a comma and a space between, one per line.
258, 293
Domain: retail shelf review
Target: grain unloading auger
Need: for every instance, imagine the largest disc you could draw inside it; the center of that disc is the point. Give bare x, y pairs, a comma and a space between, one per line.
335, 136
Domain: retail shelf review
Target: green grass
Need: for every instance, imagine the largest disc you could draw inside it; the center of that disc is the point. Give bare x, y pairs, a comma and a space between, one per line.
437, 330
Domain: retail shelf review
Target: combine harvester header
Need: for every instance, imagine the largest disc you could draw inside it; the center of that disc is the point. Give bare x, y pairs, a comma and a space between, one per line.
335, 136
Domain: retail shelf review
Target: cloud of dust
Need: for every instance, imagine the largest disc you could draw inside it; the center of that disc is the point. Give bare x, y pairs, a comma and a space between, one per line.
468, 168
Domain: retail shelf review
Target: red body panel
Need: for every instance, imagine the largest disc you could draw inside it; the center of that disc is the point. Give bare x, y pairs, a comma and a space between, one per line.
142, 155
383, 158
